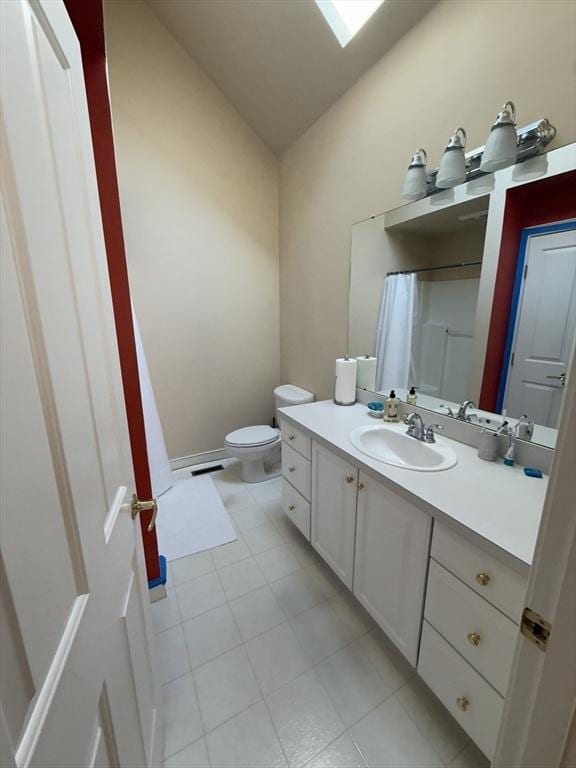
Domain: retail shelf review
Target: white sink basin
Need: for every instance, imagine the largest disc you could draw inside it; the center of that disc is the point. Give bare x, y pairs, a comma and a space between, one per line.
390, 443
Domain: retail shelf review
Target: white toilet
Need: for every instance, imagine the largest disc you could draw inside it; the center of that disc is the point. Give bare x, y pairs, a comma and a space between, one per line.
258, 448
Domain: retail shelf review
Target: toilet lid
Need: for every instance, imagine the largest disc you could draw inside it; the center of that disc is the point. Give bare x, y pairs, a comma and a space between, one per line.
261, 435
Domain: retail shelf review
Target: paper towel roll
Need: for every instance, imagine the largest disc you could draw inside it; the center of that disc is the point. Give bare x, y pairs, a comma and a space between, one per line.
366, 373
345, 389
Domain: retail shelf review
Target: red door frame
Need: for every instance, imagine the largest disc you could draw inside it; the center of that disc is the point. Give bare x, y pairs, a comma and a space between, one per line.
528, 205
87, 17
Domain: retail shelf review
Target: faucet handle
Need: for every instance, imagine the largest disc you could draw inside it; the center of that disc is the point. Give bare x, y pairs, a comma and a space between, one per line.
408, 418
449, 411
430, 437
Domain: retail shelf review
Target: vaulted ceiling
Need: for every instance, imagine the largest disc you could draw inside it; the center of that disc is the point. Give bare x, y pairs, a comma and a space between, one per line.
277, 61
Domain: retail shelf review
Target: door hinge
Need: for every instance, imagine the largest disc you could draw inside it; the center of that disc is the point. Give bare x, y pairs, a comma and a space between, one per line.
512, 359
535, 628
525, 270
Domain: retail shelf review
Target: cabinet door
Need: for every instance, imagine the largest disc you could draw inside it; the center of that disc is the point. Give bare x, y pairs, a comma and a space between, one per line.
334, 511
392, 546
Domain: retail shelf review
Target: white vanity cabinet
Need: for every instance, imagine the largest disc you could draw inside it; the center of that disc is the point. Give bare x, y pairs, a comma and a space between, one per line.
392, 545
334, 489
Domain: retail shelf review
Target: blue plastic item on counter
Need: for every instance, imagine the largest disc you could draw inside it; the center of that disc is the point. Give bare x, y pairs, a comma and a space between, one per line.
532, 472
375, 406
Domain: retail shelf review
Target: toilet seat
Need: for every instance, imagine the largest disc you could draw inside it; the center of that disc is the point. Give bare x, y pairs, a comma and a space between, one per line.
250, 437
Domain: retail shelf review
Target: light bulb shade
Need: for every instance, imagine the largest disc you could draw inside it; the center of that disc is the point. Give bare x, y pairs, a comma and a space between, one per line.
414, 183
452, 170
501, 148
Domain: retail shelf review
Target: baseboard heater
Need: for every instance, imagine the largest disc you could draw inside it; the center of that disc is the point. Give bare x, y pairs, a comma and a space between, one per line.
205, 470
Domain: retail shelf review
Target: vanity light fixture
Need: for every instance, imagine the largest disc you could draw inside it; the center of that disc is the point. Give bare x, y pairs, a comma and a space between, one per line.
452, 170
415, 179
501, 147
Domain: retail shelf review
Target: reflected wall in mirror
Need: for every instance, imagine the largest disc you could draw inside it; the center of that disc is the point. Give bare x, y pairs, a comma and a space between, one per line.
473, 297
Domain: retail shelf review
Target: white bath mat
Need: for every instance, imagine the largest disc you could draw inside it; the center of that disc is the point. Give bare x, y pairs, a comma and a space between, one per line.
191, 518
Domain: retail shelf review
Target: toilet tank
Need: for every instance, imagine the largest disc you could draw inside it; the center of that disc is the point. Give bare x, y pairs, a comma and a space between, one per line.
288, 394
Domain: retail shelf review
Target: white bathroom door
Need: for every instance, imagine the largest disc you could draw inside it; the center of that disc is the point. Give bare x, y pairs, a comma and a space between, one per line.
77, 684
545, 329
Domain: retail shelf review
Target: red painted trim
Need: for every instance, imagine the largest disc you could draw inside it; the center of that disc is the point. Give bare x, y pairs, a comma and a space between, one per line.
88, 21
530, 205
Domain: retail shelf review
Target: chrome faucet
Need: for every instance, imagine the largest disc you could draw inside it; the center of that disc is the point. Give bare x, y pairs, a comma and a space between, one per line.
415, 426
462, 415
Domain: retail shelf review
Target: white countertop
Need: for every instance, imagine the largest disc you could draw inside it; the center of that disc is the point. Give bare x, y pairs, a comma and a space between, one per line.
499, 504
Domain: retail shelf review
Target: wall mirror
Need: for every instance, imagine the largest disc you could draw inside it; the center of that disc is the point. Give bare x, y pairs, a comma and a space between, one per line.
470, 295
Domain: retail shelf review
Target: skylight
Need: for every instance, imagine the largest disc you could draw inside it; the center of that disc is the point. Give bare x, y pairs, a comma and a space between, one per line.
347, 17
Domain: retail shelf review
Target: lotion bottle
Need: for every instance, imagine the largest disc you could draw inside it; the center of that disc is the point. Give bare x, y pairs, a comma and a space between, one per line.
391, 408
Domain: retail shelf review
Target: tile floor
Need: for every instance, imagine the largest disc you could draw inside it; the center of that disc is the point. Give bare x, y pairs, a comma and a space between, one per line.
266, 660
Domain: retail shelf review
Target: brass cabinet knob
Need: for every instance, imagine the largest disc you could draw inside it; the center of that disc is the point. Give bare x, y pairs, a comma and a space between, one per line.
291, 507
474, 638
360, 486
349, 479
291, 469
463, 703
482, 579
291, 437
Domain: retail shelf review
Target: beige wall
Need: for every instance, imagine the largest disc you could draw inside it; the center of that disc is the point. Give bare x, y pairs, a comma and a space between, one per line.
456, 67
199, 194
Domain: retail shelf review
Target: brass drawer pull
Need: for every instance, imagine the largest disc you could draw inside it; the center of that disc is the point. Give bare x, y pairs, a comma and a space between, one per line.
291, 469
474, 639
482, 579
349, 479
463, 703
360, 486
291, 507
291, 437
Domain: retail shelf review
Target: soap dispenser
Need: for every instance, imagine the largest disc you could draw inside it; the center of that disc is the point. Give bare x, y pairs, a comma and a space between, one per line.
412, 397
391, 407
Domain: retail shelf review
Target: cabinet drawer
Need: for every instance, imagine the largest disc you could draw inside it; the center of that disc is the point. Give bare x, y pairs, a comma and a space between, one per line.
296, 439
477, 630
458, 685
296, 469
296, 507
496, 582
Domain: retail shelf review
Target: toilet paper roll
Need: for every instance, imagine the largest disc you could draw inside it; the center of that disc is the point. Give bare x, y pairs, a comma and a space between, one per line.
345, 389
366, 372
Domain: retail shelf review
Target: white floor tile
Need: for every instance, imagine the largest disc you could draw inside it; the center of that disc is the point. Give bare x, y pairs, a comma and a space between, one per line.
388, 739
304, 551
239, 498
257, 612
349, 611
433, 720
305, 718
298, 592
186, 568
209, 635
193, 756
287, 529
230, 553
246, 741
352, 684
249, 517
266, 491
342, 753
181, 714
225, 687
278, 562
320, 632
385, 658
277, 657
240, 578
470, 757
165, 613
273, 510
326, 578
262, 538
171, 654
200, 595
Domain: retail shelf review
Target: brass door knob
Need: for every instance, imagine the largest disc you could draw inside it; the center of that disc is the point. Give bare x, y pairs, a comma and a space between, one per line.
474, 638
291, 507
349, 479
482, 579
137, 506
463, 703
360, 486
291, 437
